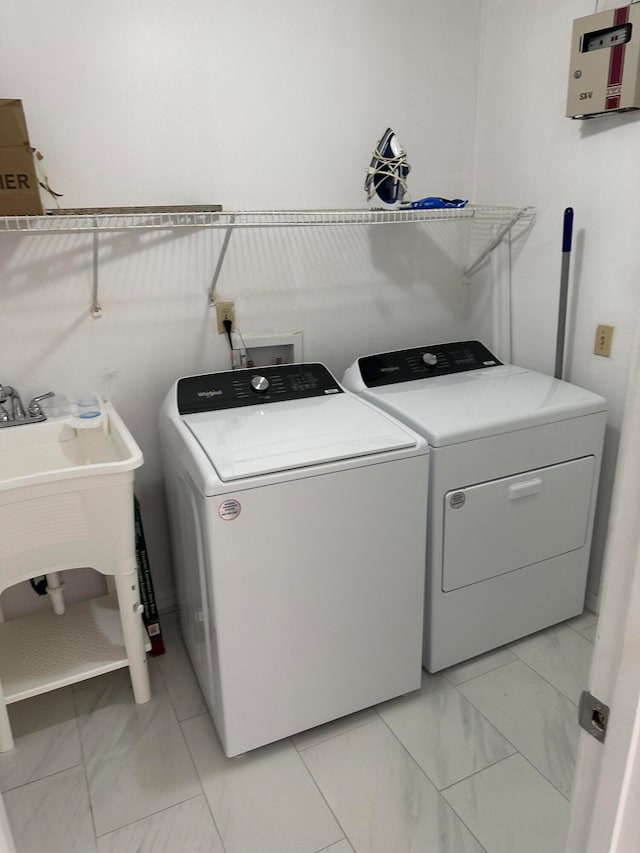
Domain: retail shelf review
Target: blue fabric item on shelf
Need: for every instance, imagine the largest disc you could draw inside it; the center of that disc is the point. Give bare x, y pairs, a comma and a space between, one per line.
433, 202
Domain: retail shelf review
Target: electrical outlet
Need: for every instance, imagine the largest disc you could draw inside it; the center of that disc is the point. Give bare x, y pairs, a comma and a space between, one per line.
225, 311
602, 346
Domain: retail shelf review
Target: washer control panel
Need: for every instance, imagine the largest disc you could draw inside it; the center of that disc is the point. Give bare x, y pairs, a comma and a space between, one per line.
424, 362
232, 388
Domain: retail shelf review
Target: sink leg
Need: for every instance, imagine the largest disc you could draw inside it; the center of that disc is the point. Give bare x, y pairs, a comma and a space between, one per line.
6, 736
132, 628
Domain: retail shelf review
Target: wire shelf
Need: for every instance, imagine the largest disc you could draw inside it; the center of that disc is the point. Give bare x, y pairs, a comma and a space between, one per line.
122, 219
498, 221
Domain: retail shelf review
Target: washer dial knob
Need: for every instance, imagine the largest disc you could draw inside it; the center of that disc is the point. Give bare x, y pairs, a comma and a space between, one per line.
430, 359
260, 384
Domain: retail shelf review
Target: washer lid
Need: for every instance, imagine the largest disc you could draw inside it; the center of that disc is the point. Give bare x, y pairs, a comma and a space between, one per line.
247, 442
466, 406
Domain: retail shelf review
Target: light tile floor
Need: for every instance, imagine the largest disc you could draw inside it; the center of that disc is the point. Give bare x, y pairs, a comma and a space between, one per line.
480, 759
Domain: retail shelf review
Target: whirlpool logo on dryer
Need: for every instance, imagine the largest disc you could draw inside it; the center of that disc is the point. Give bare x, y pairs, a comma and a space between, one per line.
213, 393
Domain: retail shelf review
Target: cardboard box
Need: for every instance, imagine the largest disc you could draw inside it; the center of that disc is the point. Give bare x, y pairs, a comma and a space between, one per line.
19, 190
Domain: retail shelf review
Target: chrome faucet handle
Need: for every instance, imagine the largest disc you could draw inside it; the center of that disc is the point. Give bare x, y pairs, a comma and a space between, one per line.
5, 392
17, 409
34, 407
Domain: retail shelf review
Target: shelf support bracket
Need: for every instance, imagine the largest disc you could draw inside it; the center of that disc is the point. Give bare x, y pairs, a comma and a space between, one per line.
96, 308
221, 257
500, 237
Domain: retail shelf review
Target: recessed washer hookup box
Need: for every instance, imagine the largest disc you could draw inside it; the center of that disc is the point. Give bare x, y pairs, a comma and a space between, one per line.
19, 190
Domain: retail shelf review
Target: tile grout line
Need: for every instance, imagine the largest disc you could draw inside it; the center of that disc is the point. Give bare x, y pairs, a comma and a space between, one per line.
477, 772
146, 817
430, 781
166, 687
332, 737
473, 677
51, 776
40, 778
546, 680
583, 633
480, 714
540, 773
324, 849
321, 792
595, 622
486, 719
517, 751
575, 630
191, 716
537, 769
524, 758
204, 793
84, 763
199, 778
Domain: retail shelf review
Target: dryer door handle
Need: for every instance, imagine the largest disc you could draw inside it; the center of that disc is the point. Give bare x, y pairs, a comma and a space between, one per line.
528, 487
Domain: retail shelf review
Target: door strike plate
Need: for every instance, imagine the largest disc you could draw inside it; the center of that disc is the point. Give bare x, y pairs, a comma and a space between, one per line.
593, 716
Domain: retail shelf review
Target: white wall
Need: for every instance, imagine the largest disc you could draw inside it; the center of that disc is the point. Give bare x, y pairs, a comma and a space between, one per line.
529, 153
251, 105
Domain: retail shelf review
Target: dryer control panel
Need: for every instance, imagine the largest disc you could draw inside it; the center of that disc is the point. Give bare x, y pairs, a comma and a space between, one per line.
256, 386
424, 362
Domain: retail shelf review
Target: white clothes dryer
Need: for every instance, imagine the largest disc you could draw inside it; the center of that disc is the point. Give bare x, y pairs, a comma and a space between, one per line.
296, 515
515, 461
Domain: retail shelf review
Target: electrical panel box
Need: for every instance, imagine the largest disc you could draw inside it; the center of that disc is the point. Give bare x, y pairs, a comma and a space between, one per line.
604, 74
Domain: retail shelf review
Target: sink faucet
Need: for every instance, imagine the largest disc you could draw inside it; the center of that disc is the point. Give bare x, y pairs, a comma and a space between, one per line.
17, 407
5, 394
15, 415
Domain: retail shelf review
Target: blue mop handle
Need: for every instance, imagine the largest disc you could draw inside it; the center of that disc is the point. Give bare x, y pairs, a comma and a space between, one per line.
567, 233
567, 229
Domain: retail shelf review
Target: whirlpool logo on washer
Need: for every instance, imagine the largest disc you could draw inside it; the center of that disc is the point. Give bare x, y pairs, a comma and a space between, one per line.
457, 500
213, 393
229, 509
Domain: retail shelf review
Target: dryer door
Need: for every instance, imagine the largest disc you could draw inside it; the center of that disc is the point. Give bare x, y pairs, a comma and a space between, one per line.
503, 525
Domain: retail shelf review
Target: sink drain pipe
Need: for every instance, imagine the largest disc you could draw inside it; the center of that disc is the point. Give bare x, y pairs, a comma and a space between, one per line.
54, 591
51, 586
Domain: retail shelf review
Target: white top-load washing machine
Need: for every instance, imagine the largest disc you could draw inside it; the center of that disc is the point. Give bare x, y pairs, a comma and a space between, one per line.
515, 460
296, 516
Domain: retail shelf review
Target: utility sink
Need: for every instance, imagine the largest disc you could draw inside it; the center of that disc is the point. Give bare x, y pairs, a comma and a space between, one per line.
57, 450
66, 497
66, 502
